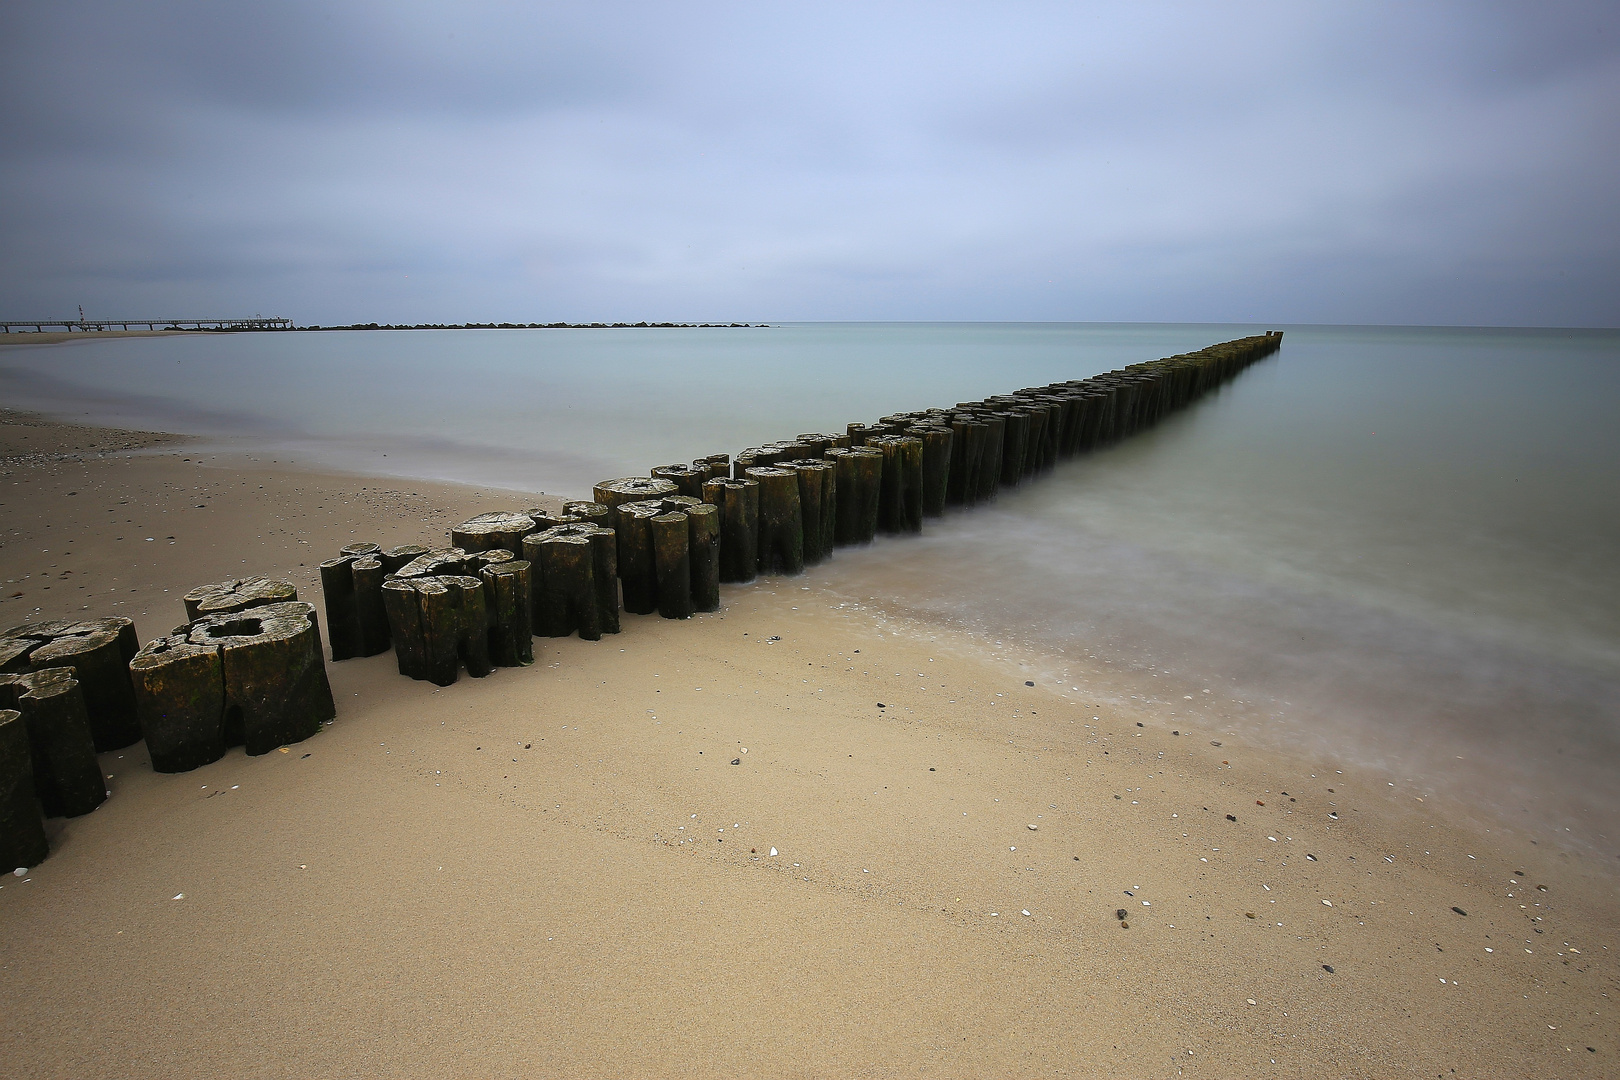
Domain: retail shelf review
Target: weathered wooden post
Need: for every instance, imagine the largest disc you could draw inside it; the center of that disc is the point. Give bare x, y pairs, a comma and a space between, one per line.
180, 696
858, 482
439, 624
672, 563
22, 829
67, 776
274, 671
901, 486
936, 466
781, 521
98, 651
236, 595
493, 530
968, 435
818, 503
738, 505
575, 568
613, 493
714, 465
995, 445
508, 604
703, 549
688, 479
1015, 444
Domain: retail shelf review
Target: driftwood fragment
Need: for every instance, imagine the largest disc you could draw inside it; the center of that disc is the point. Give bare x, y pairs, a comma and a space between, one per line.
67, 777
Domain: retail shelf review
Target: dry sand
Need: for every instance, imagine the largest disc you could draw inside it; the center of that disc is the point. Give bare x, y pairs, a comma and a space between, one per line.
560, 871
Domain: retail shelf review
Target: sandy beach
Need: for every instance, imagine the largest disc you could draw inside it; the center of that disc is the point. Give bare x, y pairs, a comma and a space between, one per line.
791, 838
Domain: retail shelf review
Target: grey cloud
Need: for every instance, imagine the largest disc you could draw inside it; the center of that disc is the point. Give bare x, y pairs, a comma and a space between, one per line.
1436, 163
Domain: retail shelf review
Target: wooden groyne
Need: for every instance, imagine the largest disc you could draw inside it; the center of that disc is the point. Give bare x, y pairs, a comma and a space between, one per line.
247, 668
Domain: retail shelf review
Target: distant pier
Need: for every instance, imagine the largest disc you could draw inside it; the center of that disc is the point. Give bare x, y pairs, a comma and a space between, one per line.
40, 326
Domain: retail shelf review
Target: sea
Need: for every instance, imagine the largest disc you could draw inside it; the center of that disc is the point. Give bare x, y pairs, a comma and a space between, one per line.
1396, 548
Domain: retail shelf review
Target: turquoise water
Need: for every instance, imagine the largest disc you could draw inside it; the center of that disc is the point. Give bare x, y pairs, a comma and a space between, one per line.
1392, 545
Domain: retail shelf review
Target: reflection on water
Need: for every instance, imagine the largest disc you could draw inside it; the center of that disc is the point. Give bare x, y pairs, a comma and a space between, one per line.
1395, 545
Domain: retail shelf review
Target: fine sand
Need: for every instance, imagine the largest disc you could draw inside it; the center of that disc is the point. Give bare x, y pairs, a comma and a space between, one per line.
567, 870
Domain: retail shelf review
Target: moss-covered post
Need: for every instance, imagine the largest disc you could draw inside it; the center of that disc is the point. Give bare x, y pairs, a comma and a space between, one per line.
781, 521
818, 502
180, 695
738, 505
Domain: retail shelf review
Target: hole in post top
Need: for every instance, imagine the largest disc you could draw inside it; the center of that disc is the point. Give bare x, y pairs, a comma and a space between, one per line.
236, 628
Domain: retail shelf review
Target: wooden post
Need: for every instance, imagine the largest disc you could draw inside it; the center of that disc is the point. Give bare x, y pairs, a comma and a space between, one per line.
859, 482
713, 466
688, 479
180, 697
508, 603
98, 651
494, 530
22, 830
275, 674
781, 522
968, 435
613, 493
342, 608
703, 549
672, 564
67, 776
236, 595
818, 503
397, 558
937, 441
995, 445
638, 565
900, 494
738, 505
575, 586
439, 624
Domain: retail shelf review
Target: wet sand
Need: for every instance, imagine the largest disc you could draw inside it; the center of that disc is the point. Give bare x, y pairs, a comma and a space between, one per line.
559, 870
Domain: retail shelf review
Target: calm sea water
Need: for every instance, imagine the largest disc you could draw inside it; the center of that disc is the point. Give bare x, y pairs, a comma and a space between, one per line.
1395, 546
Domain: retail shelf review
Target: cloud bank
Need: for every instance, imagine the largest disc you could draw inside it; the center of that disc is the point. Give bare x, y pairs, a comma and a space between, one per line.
335, 162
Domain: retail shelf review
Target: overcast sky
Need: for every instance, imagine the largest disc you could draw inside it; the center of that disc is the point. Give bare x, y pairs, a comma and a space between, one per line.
390, 161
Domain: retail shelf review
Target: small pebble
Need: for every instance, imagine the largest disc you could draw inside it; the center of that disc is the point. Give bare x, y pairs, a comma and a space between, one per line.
21, 871
1034, 828
773, 852
1027, 683
1253, 1002
1328, 968
1231, 817
1460, 911
1327, 903
1026, 910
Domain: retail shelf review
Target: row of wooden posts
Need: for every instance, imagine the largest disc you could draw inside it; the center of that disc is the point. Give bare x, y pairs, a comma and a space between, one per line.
247, 667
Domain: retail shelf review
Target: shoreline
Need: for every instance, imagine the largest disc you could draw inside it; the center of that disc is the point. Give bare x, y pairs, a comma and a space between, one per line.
318, 923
